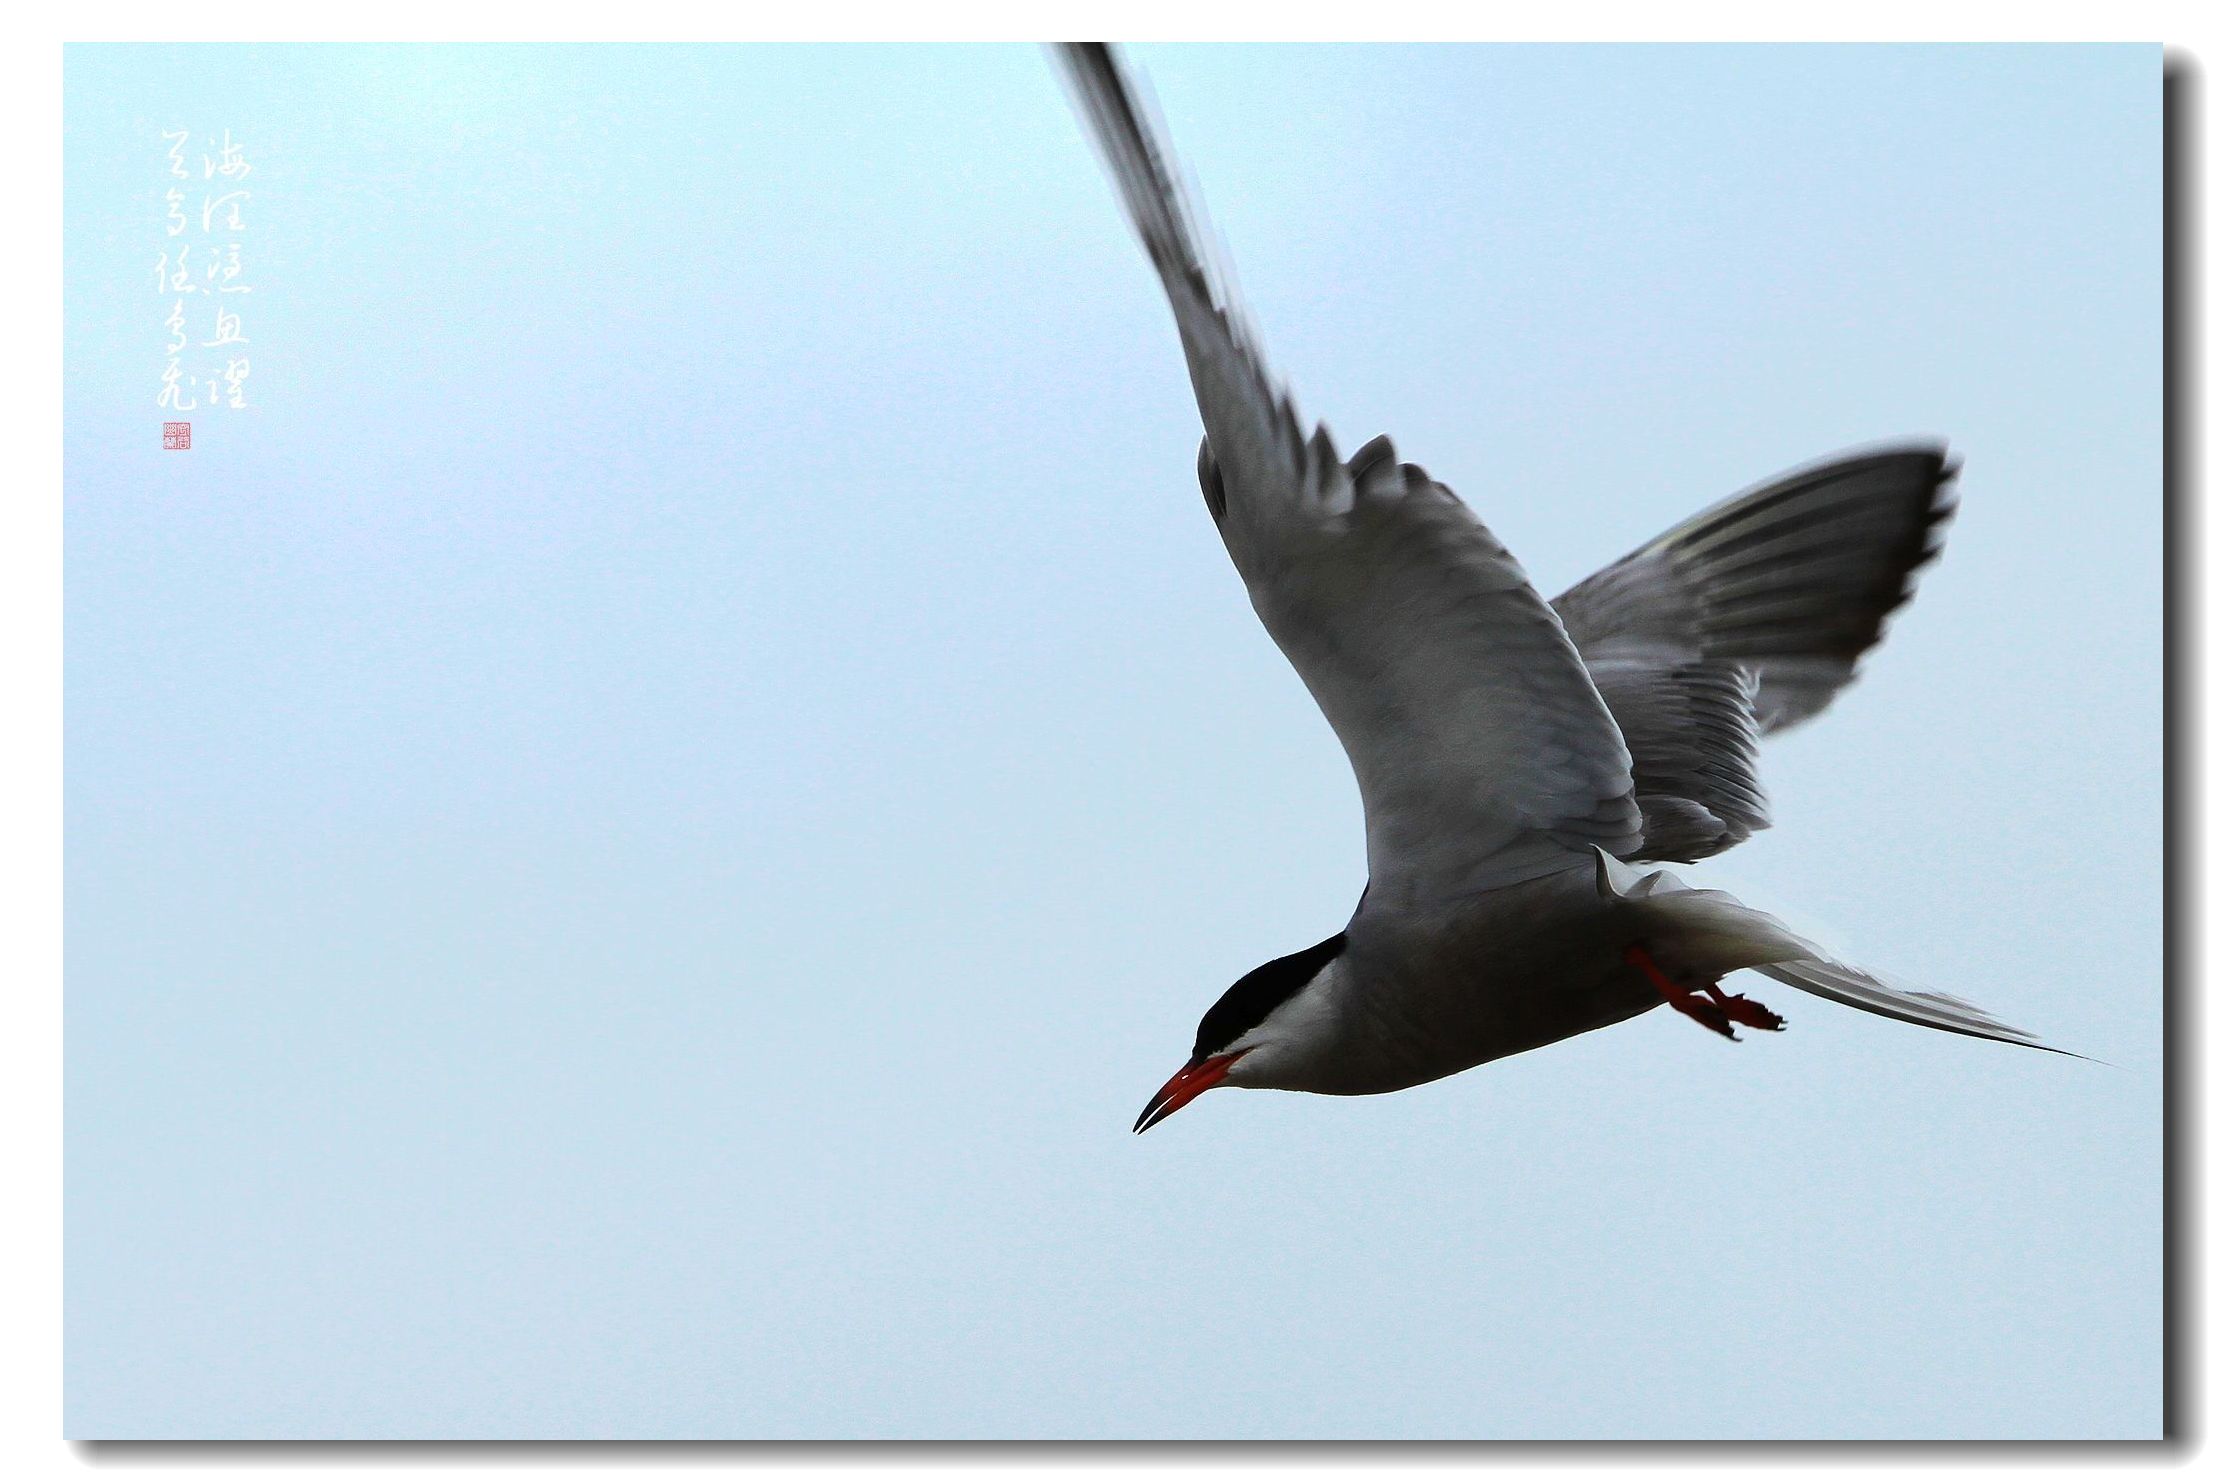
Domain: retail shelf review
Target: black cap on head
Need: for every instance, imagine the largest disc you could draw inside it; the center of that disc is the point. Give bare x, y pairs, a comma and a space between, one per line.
1258, 993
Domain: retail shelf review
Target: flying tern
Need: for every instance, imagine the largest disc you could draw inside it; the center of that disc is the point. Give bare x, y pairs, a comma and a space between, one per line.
1522, 764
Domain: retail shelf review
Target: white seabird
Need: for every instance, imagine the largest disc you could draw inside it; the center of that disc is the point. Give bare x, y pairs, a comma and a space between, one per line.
1518, 761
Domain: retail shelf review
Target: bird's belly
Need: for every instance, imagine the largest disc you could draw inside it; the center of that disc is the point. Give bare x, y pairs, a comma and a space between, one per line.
1479, 997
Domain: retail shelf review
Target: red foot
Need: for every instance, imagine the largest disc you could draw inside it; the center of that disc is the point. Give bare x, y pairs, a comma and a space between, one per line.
1741, 1009
1718, 1011
1680, 998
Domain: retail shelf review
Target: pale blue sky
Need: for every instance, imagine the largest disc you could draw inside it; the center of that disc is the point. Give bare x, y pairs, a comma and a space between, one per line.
639, 829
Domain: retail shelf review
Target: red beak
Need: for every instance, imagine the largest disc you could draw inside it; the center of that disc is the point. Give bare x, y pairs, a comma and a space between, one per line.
1186, 1086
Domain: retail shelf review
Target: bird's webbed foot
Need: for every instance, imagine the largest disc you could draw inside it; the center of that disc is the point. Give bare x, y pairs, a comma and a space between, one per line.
1716, 1010
1741, 1009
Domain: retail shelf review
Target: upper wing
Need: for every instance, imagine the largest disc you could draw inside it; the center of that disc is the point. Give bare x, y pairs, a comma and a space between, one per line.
1776, 592
1793, 579
1483, 752
1690, 727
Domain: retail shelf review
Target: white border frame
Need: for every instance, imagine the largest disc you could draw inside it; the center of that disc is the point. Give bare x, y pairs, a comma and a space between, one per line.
31, 1445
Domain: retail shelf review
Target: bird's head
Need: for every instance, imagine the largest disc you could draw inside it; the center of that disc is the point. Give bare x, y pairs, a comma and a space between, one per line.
1262, 1032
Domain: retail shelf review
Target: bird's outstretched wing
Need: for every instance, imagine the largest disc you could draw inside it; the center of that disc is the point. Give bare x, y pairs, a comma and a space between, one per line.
1746, 619
1484, 754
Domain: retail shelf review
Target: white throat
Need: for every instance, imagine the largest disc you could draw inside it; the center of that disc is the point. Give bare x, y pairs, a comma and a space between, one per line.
1284, 1050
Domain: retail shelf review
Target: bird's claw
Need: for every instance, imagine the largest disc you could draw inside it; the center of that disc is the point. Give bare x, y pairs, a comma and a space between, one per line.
1718, 1011
1702, 1012
1740, 1009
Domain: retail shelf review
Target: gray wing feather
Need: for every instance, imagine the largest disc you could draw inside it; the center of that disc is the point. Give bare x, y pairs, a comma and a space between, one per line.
1483, 756
1483, 751
1263, 456
1788, 585
1690, 728
1794, 578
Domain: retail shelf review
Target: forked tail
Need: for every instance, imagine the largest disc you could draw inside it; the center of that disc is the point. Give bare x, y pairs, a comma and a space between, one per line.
1709, 933
1860, 990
